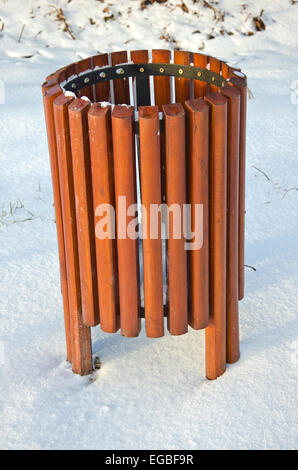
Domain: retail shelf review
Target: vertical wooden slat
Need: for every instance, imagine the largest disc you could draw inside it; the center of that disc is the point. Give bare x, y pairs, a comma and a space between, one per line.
214, 67
71, 70
176, 194
235, 71
84, 66
216, 331
151, 194
84, 209
225, 70
48, 97
200, 88
197, 112
162, 93
102, 90
233, 97
80, 333
50, 82
101, 153
162, 88
182, 85
241, 84
121, 85
125, 185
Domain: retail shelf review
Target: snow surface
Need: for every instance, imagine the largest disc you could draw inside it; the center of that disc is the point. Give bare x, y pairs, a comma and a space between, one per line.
149, 394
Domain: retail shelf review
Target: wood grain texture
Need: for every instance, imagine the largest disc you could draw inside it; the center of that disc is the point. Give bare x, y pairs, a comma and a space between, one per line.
176, 194
125, 186
197, 113
80, 333
241, 84
49, 95
233, 99
151, 194
121, 85
162, 88
102, 91
84, 209
200, 88
101, 153
216, 331
182, 85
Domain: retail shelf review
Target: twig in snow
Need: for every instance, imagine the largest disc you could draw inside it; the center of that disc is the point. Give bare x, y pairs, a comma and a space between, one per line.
251, 267
21, 33
250, 94
287, 190
259, 23
60, 17
263, 173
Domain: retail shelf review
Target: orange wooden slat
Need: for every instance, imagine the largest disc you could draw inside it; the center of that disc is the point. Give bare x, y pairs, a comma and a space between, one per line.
80, 333
233, 72
214, 67
225, 70
84, 209
162, 87
176, 194
125, 185
50, 82
101, 153
84, 66
71, 70
121, 85
197, 112
49, 96
182, 85
151, 194
216, 331
241, 84
200, 88
233, 97
102, 90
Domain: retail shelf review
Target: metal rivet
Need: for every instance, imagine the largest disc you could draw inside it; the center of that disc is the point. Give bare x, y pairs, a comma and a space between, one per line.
180, 71
161, 70
223, 84
87, 80
199, 74
102, 74
120, 71
213, 78
73, 85
141, 69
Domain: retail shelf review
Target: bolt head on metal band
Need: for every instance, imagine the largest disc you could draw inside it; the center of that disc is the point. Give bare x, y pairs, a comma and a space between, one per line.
180, 71
141, 69
102, 75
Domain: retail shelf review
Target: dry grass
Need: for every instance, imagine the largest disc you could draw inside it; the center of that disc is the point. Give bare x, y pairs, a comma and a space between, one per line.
61, 19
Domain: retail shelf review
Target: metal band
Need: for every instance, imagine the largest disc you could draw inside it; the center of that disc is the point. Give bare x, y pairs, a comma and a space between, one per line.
143, 70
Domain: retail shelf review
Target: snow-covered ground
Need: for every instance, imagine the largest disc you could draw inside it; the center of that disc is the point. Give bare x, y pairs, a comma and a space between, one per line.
149, 394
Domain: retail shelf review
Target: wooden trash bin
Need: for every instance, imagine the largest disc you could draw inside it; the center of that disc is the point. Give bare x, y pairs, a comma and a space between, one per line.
129, 132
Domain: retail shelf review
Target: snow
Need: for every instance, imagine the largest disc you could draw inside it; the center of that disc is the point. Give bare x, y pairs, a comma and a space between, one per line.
149, 393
